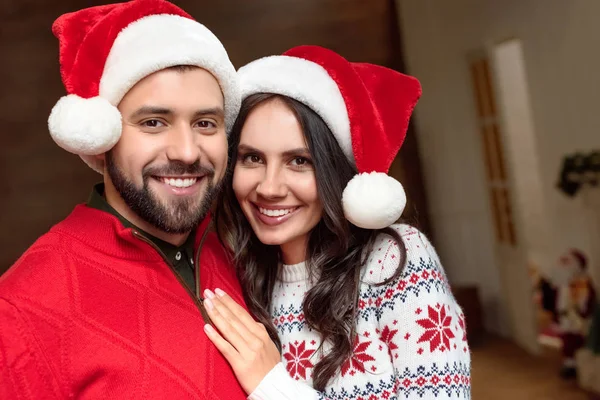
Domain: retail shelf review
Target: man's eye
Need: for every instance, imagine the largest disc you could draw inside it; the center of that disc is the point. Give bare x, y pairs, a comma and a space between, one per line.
152, 123
206, 124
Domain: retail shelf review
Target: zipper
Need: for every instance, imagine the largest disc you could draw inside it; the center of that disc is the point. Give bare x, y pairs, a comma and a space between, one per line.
198, 300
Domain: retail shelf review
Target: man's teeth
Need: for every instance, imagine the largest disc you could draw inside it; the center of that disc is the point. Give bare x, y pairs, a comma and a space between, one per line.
180, 183
275, 213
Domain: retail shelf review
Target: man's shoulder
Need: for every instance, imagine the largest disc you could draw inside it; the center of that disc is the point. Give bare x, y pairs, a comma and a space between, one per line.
214, 258
213, 246
217, 268
41, 265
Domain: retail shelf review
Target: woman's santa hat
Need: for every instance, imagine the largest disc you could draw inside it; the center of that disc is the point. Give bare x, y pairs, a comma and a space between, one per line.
106, 50
367, 108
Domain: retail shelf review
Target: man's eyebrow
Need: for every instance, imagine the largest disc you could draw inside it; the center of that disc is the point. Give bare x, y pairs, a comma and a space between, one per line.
147, 110
214, 111
154, 110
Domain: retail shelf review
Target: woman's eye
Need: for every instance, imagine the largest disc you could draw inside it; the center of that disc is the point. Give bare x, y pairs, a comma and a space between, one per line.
251, 159
152, 123
300, 162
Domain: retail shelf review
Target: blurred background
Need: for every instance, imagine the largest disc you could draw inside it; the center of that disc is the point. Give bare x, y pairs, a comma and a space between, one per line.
501, 164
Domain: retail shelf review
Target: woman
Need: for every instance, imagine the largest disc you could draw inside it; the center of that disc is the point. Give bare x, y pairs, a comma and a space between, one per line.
359, 306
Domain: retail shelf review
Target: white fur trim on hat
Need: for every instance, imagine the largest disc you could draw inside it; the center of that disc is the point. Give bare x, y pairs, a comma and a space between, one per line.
373, 200
85, 126
306, 82
155, 42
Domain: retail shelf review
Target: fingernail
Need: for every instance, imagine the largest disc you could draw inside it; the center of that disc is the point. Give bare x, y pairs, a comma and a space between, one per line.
209, 305
209, 329
219, 292
209, 294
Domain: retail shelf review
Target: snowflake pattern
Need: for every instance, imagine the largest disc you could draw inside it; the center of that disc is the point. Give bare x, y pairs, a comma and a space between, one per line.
358, 358
387, 337
298, 360
437, 329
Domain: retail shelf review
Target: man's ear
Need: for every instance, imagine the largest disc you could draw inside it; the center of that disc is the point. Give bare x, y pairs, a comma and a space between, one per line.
101, 159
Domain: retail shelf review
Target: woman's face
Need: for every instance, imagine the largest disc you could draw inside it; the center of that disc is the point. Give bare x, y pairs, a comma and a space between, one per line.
274, 180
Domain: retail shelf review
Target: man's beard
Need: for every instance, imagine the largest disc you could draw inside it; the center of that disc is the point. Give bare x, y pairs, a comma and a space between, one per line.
179, 215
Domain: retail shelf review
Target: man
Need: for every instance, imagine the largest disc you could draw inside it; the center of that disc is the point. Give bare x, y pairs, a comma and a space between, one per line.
106, 304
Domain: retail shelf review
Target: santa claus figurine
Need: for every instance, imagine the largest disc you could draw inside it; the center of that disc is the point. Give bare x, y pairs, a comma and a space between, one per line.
574, 305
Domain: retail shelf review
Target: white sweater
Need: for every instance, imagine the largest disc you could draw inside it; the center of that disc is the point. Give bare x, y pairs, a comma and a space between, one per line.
411, 340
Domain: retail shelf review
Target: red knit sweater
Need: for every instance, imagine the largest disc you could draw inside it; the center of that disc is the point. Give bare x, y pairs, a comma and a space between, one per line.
92, 312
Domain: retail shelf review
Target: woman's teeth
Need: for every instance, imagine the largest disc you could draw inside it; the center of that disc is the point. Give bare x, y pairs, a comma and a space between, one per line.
275, 213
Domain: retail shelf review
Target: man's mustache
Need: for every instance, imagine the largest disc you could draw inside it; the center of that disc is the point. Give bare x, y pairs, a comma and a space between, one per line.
178, 168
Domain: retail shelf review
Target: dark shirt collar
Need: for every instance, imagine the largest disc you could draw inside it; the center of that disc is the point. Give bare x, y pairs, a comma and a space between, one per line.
98, 201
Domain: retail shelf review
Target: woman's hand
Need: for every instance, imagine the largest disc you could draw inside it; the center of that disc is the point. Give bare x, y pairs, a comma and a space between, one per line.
244, 343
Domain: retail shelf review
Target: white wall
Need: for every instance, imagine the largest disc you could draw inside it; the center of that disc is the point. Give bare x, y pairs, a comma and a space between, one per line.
522, 154
561, 45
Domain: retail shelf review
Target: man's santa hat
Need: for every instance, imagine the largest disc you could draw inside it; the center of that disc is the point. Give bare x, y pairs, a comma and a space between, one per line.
106, 50
367, 108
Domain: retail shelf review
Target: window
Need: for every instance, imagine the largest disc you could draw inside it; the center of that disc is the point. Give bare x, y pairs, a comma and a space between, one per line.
489, 128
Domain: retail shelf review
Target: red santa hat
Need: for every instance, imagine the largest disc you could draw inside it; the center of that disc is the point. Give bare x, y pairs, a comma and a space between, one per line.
367, 108
106, 50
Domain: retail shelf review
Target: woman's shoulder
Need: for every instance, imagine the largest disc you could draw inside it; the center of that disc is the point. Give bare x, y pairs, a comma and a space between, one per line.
417, 252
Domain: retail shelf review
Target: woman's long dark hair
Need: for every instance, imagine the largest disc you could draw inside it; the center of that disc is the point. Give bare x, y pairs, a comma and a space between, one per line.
336, 249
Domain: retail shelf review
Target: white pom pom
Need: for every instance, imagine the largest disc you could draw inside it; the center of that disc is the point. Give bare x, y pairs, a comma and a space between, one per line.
85, 126
373, 200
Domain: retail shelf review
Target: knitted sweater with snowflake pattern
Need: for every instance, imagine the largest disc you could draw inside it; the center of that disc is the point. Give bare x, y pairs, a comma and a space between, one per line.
411, 341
